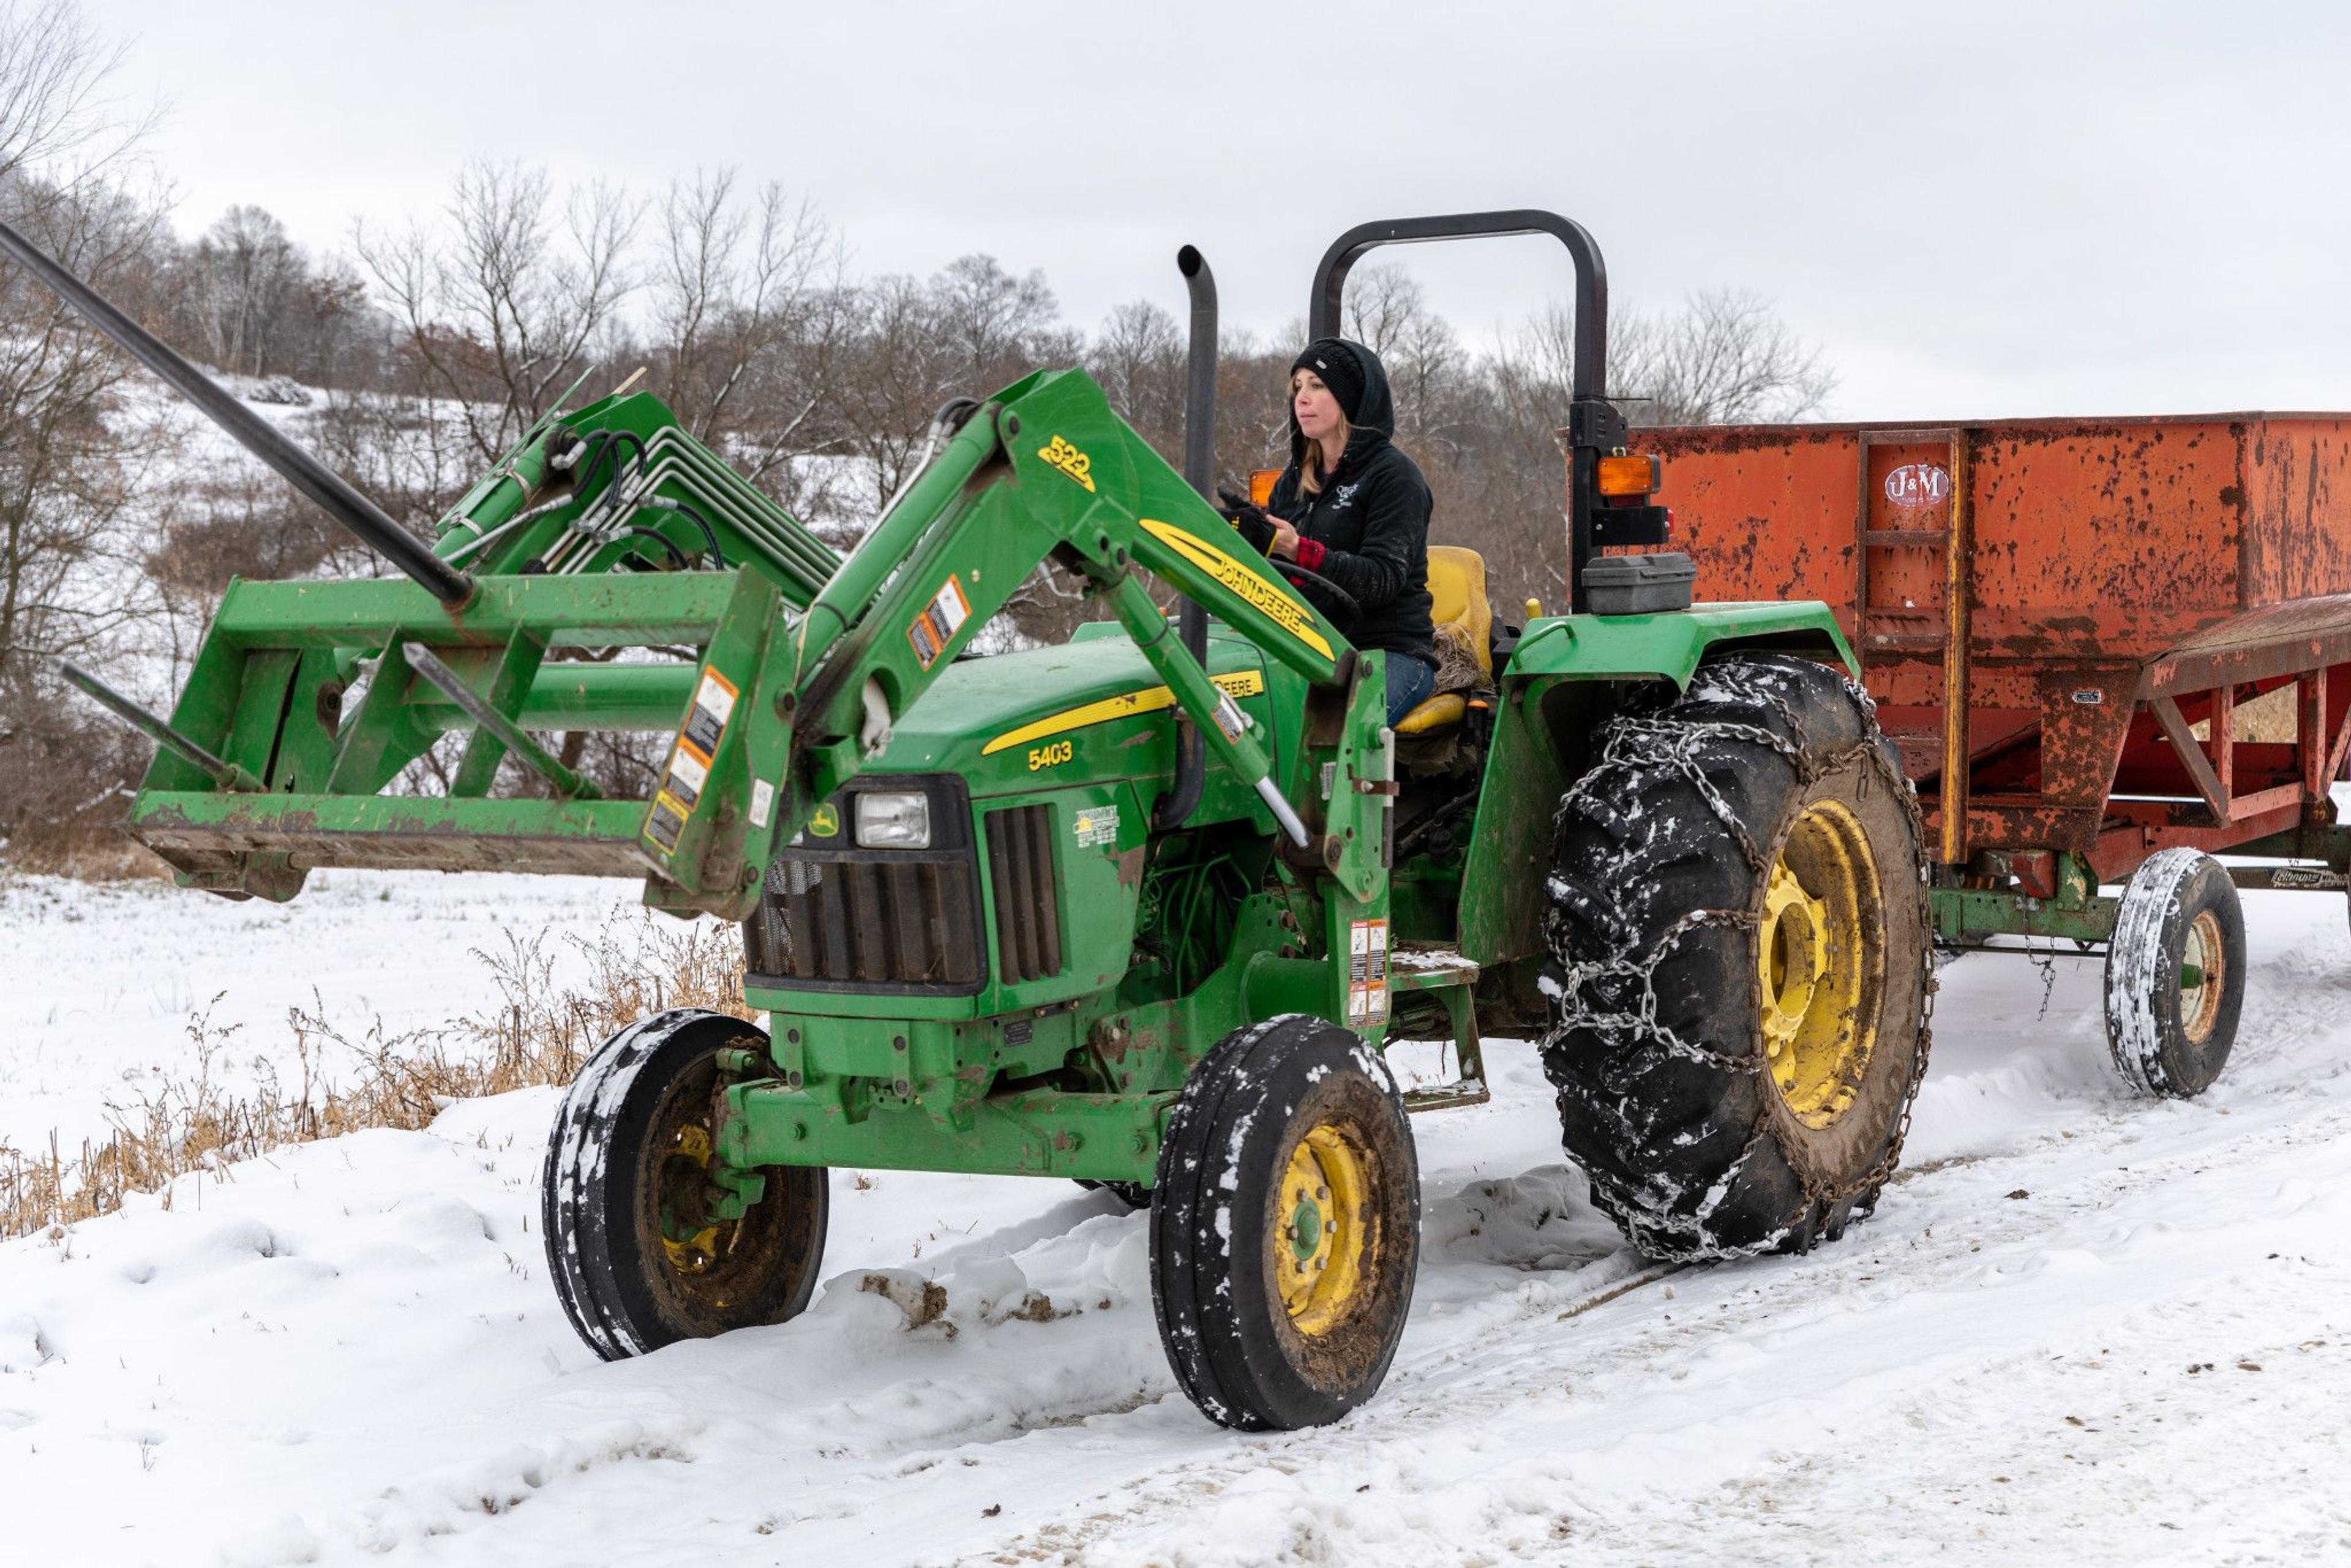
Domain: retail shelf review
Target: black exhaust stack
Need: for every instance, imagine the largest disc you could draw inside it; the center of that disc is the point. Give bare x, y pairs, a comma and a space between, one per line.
1200, 473
299, 468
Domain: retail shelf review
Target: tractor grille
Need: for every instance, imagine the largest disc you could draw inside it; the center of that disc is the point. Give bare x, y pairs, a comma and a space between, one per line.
1028, 912
835, 917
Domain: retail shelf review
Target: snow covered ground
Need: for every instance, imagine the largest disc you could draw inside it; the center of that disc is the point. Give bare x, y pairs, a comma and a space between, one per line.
99, 985
2081, 1328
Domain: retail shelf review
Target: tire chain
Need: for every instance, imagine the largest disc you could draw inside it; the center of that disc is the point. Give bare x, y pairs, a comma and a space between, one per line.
1654, 744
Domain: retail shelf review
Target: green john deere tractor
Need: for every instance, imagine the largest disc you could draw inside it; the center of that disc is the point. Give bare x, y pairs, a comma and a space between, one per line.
1140, 911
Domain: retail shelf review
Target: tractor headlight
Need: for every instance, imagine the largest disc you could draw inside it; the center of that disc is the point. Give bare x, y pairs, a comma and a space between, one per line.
889, 819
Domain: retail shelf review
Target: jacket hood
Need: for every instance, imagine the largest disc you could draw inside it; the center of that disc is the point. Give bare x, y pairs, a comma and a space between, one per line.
1374, 420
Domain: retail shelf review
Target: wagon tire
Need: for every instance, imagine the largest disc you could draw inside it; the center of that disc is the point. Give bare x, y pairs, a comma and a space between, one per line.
1285, 1226
2175, 975
634, 1139
1740, 963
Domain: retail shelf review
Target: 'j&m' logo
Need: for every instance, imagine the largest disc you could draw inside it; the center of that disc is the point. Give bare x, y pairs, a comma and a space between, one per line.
1070, 461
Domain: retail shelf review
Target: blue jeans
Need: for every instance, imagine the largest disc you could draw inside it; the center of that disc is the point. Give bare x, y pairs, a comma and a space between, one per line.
1410, 681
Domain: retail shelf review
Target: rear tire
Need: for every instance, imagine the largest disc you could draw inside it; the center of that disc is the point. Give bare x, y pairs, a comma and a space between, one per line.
1285, 1226
2175, 975
1739, 938
632, 1142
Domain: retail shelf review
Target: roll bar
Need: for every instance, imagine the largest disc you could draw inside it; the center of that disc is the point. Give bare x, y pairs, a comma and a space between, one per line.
1591, 368
1594, 427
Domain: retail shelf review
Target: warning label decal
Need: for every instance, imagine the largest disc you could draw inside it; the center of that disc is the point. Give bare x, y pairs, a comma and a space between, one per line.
1367, 972
706, 721
687, 775
691, 758
940, 619
667, 821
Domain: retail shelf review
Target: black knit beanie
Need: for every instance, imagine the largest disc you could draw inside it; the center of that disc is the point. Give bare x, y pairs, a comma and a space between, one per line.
1336, 365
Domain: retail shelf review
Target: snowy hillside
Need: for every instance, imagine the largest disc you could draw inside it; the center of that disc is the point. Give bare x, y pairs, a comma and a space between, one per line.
2081, 1328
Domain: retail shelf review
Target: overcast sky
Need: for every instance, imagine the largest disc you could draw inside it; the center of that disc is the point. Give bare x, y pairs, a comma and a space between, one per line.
1978, 210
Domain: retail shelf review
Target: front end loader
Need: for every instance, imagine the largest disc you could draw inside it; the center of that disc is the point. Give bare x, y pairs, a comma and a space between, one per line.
1139, 911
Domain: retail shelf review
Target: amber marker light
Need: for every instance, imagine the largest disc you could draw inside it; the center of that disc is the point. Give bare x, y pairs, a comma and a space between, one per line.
1631, 475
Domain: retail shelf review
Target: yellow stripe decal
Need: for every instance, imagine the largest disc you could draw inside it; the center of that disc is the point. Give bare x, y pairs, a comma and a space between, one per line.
1249, 584
1151, 699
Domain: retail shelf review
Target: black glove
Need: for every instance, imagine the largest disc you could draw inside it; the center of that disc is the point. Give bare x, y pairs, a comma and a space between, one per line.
1251, 518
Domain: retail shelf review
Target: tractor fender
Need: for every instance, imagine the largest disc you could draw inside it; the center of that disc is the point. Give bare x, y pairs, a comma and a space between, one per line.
1567, 676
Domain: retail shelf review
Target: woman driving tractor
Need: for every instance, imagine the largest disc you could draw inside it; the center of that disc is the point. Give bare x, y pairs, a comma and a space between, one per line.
1353, 509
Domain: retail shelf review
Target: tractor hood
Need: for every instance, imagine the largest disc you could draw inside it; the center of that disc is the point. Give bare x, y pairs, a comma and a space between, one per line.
1091, 708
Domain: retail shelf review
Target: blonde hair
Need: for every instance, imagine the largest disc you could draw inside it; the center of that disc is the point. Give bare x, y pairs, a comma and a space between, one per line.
1310, 478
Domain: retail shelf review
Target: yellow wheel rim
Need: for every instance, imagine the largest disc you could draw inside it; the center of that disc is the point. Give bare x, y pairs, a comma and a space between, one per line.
1820, 954
689, 1253
2203, 970
1321, 1238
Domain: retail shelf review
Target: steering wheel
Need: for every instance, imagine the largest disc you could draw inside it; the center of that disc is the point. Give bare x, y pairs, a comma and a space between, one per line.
1300, 578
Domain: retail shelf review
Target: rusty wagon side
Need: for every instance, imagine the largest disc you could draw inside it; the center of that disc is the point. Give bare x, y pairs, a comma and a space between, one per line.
2083, 611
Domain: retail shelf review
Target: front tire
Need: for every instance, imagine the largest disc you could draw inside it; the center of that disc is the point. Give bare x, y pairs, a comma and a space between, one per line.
1739, 938
628, 1158
2175, 975
1285, 1226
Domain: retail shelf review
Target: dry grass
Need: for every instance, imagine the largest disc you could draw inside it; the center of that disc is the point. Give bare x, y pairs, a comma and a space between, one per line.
2274, 716
94, 852
539, 1034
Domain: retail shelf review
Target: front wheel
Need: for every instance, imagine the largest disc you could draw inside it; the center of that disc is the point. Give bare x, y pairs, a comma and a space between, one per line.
627, 1195
1285, 1226
2174, 974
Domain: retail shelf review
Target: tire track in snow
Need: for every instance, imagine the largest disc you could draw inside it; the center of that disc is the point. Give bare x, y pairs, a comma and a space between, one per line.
1610, 1362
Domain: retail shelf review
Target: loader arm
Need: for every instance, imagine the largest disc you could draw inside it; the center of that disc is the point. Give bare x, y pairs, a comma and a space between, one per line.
326, 694
1044, 474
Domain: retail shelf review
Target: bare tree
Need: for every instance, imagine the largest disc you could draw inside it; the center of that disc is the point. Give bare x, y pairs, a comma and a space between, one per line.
54, 114
967, 330
1433, 378
69, 465
996, 326
65, 476
1139, 359
499, 307
1725, 357
243, 277
748, 318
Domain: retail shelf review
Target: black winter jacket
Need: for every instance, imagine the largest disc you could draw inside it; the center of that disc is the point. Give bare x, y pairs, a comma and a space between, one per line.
1372, 521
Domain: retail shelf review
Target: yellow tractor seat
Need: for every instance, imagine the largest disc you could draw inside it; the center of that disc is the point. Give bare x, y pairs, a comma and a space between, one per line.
1457, 591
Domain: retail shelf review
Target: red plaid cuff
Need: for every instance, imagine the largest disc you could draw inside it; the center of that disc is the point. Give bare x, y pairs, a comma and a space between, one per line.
1309, 554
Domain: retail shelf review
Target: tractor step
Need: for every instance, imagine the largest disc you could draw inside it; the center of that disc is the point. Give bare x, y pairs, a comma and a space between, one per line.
1444, 973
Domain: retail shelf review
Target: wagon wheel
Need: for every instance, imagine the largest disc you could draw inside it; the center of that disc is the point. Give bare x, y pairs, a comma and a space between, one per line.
1740, 953
1285, 1226
638, 1257
2175, 975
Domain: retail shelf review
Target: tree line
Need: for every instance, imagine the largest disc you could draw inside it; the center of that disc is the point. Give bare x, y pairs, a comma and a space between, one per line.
421, 352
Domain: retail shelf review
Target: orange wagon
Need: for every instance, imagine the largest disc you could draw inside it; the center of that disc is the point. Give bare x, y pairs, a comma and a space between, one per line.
2093, 640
